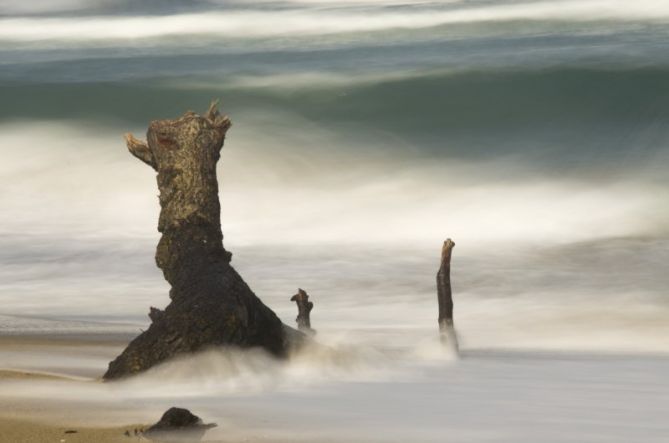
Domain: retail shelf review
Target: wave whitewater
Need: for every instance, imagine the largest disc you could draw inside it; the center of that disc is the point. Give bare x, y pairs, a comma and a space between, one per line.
319, 21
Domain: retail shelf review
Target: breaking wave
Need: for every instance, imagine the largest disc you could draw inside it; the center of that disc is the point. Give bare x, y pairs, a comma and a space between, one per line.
254, 23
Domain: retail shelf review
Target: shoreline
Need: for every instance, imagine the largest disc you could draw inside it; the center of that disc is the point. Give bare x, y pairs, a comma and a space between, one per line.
17, 430
54, 386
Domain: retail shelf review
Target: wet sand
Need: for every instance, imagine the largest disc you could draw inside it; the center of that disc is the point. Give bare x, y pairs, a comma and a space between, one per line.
35, 420
22, 431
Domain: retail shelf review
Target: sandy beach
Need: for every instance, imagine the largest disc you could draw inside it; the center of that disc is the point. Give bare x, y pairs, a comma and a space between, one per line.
30, 420
19, 431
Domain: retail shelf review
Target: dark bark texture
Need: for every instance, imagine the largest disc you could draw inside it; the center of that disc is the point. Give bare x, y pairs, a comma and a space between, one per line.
445, 296
304, 307
210, 303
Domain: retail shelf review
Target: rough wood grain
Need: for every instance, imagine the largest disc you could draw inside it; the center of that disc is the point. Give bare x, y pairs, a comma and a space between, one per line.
211, 305
445, 296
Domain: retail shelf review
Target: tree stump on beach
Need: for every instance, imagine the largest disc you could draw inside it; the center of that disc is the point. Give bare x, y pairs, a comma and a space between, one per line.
211, 305
445, 297
304, 307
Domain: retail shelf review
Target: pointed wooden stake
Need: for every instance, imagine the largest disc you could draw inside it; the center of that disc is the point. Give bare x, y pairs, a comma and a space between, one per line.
445, 297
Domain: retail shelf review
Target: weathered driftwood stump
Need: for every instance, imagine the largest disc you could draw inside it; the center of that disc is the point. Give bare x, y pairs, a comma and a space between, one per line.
211, 304
445, 296
304, 307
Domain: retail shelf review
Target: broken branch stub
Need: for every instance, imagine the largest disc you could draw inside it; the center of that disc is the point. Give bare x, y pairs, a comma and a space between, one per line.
445, 296
210, 303
304, 307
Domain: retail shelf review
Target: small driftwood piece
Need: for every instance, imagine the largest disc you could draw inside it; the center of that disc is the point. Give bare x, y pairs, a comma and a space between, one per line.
304, 307
445, 297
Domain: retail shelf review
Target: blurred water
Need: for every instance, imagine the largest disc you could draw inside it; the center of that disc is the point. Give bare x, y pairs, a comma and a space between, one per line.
342, 395
365, 132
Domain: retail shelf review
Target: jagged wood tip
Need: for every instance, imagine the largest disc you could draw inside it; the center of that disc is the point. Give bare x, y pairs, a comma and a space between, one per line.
446, 250
215, 118
212, 112
140, 150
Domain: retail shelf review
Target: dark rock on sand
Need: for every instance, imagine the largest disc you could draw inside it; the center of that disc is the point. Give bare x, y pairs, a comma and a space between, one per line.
178, 424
